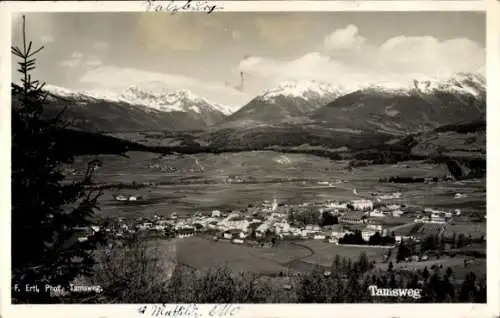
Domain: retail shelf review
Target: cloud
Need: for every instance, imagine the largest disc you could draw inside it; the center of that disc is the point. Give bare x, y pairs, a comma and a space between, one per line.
427, 54
77, 55
93, 62
70, 63
46, 39
344, 39
349, 60
101, 45
117, 79
74, 61
81, 60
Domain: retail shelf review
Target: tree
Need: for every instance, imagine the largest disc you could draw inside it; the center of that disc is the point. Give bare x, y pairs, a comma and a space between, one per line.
328, 219
45, 208
461, 240
375, 239
429, 243
454, 240
403, 252
363, 262
425, 273
468, 289
312, 288
449, 272
337, 265
353, 291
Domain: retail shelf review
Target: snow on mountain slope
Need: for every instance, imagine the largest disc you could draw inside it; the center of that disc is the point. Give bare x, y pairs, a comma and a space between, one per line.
181, 100
301, 89
136, 108
424, 104
166, 99
460, 83
288, 101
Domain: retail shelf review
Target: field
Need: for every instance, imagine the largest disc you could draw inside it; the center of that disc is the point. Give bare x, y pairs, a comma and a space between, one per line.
301, 256
200, 182
203, 253
324, 253
476, 230
456, 264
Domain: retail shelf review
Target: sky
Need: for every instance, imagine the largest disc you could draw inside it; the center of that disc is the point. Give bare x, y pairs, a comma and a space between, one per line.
206, 53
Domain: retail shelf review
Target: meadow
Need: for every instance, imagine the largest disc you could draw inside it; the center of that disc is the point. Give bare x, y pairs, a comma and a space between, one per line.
190, 183
301, 256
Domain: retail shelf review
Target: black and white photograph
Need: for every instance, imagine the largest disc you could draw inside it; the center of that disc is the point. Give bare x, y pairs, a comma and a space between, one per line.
248, 157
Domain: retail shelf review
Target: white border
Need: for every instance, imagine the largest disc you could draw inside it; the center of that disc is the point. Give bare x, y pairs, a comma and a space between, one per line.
248, 310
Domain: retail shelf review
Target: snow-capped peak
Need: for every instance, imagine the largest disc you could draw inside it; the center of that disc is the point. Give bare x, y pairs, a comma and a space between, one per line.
64, 92
180, 100
301, 89
459, 83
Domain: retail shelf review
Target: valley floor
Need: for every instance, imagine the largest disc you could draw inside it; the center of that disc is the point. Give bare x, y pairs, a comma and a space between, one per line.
185, 185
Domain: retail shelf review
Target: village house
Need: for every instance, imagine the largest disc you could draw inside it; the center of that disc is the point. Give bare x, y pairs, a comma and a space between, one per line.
362, 205
232, 233
367, 233
185, 232
355, 217
319, 236
237, 241
338, 231
376, 213
392, 207
397, 213
336, 206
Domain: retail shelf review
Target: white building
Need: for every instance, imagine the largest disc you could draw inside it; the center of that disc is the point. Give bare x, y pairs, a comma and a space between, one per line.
336, 206
319, 237
395, 195
397, 213
374, 227
121, 198
366, 234
362, 205
376, 213
333, 240
237, 241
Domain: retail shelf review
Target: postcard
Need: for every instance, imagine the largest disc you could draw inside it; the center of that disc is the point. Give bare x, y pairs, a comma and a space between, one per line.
249, 158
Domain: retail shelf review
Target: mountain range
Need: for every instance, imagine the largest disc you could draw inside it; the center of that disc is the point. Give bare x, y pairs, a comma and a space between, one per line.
416, 106
421, 106
132, 110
